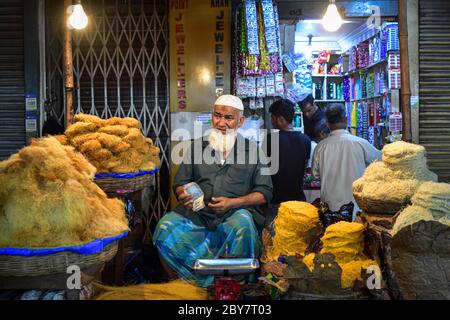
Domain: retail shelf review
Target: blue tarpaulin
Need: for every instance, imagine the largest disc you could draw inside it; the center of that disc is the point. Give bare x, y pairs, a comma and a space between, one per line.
124, 175
88, 248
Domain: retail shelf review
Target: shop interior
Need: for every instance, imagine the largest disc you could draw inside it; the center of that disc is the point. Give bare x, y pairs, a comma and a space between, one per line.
357, 65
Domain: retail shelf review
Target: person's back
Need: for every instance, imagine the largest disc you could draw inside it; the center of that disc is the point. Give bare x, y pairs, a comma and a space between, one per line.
294, 150
339, 160
321, 131
293, 153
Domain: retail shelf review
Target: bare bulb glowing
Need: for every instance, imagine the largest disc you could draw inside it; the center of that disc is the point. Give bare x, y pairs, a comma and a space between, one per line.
204, 76
78, 18
332, 20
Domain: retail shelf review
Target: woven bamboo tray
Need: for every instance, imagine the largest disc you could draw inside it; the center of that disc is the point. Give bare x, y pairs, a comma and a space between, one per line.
369, 205
21, 266
113, 185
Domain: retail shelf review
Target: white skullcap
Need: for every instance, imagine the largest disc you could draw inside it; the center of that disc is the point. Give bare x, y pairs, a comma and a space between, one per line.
230, 101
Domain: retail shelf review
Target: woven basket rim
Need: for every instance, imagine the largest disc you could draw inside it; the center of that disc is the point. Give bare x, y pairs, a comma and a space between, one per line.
371, 205
112, 185
67, 249
21, 266
132, 175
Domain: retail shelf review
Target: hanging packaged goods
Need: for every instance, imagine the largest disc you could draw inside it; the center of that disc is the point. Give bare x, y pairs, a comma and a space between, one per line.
257, 64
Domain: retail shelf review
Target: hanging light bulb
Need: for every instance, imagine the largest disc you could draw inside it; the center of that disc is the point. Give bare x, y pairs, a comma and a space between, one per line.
78, 18
332, 20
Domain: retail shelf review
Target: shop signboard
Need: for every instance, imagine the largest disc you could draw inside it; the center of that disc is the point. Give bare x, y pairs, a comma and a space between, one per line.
199, 49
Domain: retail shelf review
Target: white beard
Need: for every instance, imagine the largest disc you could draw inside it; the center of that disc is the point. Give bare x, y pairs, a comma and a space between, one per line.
222, 142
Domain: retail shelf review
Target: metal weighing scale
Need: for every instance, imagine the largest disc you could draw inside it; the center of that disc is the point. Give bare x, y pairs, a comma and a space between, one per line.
225, 287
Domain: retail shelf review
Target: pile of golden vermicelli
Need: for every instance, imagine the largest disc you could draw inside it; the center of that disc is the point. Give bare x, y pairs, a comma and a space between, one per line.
48, 199
114, 145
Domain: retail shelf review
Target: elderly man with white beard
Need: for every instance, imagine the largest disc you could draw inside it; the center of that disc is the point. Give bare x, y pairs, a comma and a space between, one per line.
234, 191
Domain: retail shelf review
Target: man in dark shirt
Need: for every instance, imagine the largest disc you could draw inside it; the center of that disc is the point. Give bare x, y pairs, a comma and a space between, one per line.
230, 171
294, 152
312, 114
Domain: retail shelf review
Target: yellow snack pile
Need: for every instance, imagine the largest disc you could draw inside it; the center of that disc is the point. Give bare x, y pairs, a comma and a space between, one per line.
174, 290
293, 226
351, 271
112, 145
48, 199
345, 240
308, 260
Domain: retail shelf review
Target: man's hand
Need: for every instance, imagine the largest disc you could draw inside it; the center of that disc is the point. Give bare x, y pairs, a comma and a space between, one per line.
221, 204
184, 198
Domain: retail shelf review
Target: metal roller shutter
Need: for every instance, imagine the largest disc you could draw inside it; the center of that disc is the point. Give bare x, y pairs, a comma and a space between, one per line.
434, 84
120, 69
12, 105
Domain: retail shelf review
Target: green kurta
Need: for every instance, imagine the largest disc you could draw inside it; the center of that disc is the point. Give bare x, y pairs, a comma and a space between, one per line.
240, 175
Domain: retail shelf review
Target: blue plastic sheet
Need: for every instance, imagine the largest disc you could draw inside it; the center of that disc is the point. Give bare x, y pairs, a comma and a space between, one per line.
88, 248
124, 175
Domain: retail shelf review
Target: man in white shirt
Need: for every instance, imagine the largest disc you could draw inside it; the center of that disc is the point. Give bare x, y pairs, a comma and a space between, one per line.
321, 131
340, 159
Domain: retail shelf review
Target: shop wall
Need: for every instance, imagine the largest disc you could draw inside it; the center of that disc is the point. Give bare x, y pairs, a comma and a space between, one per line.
413, 50
12, 84
434, 84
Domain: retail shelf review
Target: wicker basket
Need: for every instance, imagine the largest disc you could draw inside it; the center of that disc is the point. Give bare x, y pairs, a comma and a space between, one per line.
20, 266
369, 205
113, 185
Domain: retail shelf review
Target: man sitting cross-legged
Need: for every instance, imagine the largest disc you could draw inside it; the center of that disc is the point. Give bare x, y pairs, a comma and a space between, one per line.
234, 188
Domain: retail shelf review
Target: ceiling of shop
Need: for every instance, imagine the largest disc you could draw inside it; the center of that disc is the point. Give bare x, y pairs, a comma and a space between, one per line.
355, 14
315, 28
291, 11
322, 39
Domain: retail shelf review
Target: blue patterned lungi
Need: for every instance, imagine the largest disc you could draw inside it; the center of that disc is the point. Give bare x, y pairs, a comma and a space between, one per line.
180, 242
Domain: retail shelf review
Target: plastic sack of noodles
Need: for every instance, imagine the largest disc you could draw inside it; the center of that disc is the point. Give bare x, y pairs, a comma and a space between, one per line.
328, 217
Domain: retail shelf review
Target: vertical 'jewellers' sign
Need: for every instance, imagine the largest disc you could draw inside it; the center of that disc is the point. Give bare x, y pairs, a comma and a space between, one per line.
200, 53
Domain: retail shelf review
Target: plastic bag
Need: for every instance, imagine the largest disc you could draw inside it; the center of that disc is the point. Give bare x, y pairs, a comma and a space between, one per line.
130, 211
328, 217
